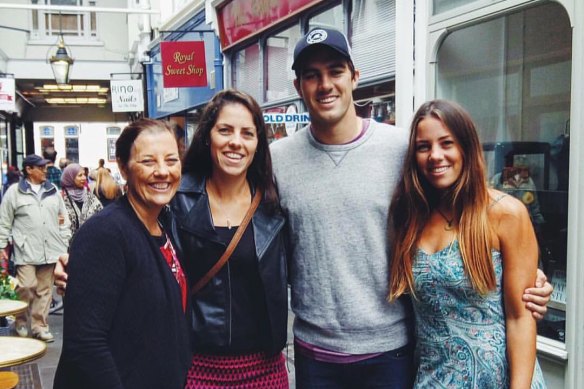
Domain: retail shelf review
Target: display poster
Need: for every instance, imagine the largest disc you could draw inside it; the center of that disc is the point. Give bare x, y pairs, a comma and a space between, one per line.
111, 149
7, 94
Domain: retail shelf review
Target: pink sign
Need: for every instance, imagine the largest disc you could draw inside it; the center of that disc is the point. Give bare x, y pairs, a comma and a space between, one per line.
241, 19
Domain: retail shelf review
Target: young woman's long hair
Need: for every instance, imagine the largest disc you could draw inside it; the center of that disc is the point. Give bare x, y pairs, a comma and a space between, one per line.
105, 185
197, 159
415, 199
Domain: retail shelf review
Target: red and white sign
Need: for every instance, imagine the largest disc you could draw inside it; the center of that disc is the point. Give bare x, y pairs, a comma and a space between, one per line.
241, 19
7, 94
183, 64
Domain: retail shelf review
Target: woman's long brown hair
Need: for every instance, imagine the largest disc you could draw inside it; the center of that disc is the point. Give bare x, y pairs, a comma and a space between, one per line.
415, 199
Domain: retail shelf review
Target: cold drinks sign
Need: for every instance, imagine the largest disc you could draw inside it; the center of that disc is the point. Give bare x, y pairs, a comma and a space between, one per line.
183, 64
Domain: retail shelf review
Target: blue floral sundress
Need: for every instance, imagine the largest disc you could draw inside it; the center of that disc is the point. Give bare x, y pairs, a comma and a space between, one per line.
460, 334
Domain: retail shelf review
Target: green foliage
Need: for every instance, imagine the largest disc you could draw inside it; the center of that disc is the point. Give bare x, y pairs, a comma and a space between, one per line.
7, 283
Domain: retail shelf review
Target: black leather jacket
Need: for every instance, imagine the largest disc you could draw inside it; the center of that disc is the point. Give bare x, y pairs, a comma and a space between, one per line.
213, 305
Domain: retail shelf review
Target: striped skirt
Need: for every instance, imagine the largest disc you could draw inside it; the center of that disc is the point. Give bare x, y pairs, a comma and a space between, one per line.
249, 371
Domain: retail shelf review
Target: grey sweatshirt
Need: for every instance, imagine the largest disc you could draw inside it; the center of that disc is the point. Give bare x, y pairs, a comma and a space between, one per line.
337, 198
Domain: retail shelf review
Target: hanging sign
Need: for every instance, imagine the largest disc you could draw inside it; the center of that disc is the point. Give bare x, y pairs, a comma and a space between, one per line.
7, 94
127, 96
183, 64
242, 19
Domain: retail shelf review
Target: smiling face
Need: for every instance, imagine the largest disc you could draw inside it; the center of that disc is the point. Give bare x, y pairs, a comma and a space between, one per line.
80, 179
438, 155
326, 85
153, 171
233, 141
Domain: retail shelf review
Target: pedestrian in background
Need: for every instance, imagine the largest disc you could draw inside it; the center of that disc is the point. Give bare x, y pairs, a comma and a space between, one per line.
106, 189
81, 204
63, 162
13, 175
30, 216
240, 315
126, 310
53, 172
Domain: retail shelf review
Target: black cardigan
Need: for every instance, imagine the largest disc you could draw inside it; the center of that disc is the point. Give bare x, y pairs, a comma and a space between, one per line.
124, 326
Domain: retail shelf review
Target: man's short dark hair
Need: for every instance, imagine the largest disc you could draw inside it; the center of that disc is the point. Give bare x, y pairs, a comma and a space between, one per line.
50, 154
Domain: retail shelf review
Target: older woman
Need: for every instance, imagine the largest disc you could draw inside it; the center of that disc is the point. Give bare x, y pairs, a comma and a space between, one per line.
240, 315
125, 323
80, 203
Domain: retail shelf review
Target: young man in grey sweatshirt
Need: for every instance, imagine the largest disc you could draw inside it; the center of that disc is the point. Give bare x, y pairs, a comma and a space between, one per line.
335, 179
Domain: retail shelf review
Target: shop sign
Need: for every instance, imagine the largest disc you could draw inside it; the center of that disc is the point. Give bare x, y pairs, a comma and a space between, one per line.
183, 64
284, 118
7, 94
241, 19
127, 96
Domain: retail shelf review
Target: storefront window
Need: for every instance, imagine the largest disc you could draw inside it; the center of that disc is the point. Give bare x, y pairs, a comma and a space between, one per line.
278, 63
72, 143
513, 74
283, 121
373, 48
47, 138
112, 134
247, 71
48, 23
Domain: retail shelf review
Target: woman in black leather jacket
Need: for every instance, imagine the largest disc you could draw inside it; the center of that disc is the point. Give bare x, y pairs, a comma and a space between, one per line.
240, 316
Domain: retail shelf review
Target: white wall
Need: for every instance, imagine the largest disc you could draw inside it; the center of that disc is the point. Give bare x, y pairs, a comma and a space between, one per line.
108, 53
92, 141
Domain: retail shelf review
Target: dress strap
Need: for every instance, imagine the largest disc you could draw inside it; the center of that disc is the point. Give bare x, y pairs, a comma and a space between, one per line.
497, 199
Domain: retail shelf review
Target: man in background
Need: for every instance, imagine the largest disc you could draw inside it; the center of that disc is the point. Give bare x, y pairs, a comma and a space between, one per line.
63, 162
53, 172
31, 214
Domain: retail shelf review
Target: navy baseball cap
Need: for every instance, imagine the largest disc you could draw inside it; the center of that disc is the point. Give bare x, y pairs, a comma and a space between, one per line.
329, 37
34, 160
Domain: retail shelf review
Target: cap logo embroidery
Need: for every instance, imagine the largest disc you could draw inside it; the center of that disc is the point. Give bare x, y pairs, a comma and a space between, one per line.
316, 36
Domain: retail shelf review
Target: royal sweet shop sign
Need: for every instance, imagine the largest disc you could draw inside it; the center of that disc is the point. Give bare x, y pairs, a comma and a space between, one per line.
183, 64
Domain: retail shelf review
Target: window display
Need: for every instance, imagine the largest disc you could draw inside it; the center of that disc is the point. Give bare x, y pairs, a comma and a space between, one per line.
513, 74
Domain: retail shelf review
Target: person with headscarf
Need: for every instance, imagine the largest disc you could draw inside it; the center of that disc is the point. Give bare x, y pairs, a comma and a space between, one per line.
80, 203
